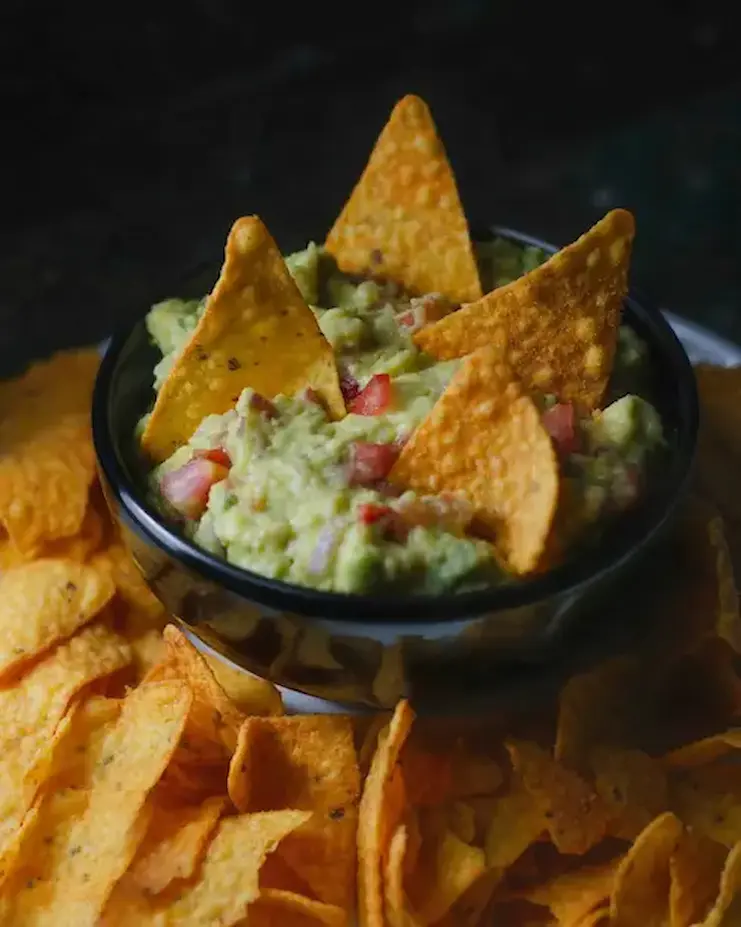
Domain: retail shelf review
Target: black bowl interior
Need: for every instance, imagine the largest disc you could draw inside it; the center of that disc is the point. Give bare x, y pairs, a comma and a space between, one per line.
123, 394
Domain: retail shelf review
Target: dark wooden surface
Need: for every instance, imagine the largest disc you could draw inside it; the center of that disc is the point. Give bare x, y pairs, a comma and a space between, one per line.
131, 139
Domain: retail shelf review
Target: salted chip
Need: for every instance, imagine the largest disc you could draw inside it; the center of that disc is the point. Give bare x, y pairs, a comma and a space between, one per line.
47, 462
726, 912
634, 787
642, 882
561, 319
276, 908
381, 809
87, 833
695, 871
174, 844
251, 695
577, 817
404, 220
398, 912
256, 331
44, 602
574, 896
708, 800
704, 751
116, 560
484, 439
33, 708
514, 821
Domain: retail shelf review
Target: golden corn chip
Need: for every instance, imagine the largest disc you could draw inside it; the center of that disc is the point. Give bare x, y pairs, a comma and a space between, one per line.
144, 634
44, 602
251, 695
707, 799
484, 439
573, 896
469, 909
82, 545
303, 761
561, 320
704, 751
130, 585
642, 881
632, 785
86, 835
446, 868
726, 912
34, 707
577, 817
256, 331
277, 908
174, 844
404, 220
381, 809
398, 911
513, 822
695, 870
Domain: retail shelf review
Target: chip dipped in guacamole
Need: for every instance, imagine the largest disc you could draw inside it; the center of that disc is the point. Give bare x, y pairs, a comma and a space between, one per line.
278, 487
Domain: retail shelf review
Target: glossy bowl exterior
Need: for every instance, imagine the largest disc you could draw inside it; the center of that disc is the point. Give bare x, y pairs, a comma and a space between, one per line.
454, 650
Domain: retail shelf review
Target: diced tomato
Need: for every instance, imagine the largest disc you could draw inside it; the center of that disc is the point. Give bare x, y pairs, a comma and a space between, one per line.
374, 398
560, 423
217, 454
410, 319
349, 386
369, 512
262, 405
187, 488
371, 462
311, 395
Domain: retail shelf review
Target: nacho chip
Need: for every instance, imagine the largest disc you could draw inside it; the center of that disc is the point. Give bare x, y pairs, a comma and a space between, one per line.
404, 220
632, 785
256, 331
47, 462
81, 546
577, 818
303, 761
32, 710
561, 319
116, 560
276, 908
381, 808
251, 695
398, 912
641, 889
708, 800
484, 439
86, 834
174, 844
704, 751
695, 870
44, 602
573, 896
515, 821
726, 912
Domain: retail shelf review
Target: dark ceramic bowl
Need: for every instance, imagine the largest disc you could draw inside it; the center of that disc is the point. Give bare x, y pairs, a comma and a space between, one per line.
449, 650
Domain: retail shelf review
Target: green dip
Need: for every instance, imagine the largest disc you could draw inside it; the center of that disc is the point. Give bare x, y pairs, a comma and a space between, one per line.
295, 496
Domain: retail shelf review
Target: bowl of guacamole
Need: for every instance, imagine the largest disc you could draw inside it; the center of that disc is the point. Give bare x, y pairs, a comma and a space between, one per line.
278, 532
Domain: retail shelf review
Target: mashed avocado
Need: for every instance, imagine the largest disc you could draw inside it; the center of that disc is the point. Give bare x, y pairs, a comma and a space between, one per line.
287, 493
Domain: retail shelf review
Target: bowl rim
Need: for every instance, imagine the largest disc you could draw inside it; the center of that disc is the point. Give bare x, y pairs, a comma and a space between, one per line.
350, 608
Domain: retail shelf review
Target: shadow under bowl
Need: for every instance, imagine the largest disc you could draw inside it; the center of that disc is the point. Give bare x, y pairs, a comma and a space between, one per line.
453, 652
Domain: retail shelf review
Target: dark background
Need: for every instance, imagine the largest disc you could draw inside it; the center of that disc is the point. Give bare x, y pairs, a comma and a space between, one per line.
132, 135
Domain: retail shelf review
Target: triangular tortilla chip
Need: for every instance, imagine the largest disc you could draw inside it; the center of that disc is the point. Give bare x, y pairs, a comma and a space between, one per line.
561, 320
484, 439
404, 220
256, 331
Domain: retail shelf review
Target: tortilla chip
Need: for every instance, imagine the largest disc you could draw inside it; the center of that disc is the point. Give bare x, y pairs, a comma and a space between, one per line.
44, 602
33, 708
642, 881
704, 751
577, 818
695, 871
398, 910
47, 462
726, 912
633, 786
303, 761
515, 821
708, 800
174, 844
381, 809
116, 560
251, 695
276, 908
228, 880
256, 331
81, 546
573, 896
561, 319
428, 777
86, 834
404, 220
484, 439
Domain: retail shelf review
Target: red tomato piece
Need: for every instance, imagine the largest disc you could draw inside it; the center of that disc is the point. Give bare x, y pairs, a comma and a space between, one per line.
369, 512
374, 398
560, 423
371, 462
216, 454
187, 488
262, 405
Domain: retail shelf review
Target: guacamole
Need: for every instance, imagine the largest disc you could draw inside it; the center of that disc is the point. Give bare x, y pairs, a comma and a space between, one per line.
276, 487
